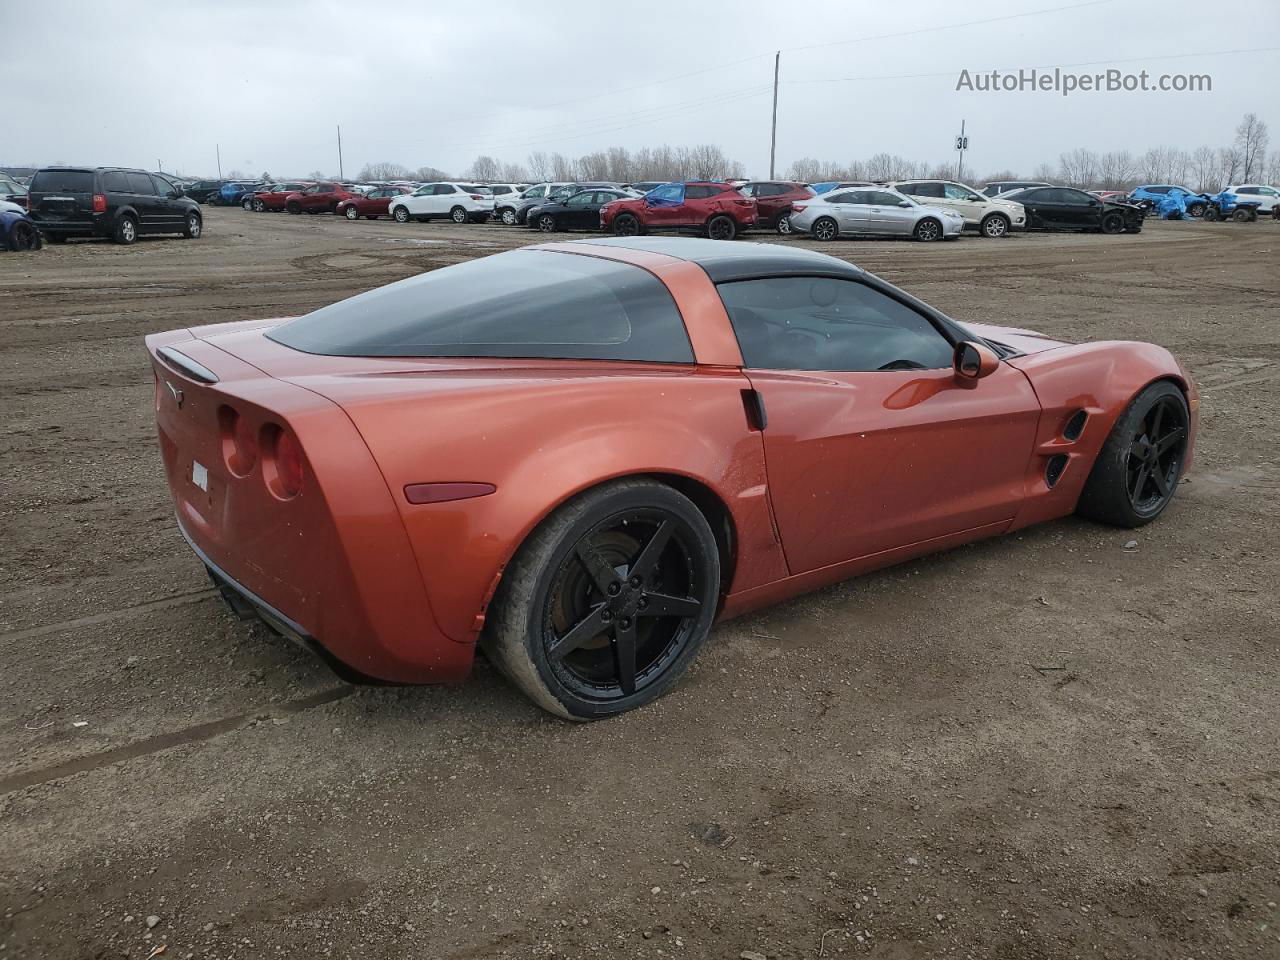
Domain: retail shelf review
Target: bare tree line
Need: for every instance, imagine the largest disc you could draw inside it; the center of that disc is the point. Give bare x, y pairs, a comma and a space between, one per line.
1245, 160
1206, 168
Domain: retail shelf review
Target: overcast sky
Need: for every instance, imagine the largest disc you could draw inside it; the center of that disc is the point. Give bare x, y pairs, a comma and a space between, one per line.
420, 83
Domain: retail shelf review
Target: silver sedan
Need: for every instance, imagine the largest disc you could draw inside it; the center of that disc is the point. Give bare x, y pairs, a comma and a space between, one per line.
873, 211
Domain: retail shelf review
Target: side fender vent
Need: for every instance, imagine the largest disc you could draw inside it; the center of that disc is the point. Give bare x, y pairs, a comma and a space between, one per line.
1053, 469
1075, 426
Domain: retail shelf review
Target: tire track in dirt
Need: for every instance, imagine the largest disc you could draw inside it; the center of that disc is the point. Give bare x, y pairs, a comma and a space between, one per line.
166, 741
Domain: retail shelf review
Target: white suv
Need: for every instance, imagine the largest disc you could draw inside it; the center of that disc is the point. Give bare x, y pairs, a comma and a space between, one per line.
989, 216
1266, 197
460, 202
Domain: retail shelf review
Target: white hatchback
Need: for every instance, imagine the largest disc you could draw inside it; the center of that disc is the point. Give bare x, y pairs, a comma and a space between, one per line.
459, 202
1266, 197
990, 216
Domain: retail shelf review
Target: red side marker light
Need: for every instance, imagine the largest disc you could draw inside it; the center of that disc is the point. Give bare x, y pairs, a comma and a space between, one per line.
444, 492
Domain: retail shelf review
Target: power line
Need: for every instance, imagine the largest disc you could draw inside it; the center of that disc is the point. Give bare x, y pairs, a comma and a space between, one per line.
1048, 66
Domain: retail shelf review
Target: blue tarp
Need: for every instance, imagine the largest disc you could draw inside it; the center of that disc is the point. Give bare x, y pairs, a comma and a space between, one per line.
1172, 206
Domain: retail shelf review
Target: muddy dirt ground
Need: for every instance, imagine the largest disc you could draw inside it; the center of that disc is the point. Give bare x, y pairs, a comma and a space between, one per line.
1043, 746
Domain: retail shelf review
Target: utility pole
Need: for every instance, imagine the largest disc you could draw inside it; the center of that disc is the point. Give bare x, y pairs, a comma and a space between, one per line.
218, 148
962, 144
773, 135
159, 167
340, 177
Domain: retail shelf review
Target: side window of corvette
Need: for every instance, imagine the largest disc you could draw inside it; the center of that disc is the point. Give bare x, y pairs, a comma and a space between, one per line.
824, 323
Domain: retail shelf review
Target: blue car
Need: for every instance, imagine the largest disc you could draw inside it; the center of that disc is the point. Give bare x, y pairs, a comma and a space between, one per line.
233, 192
1148, 196
17, 230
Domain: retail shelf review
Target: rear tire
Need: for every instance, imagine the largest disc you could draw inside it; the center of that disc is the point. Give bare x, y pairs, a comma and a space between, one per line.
126, 230
1197, 209
509, 217
247, 203
1134, 479
1210, 214
825, 228
1240, 216
629, 574
722, 227
458, 215
783, 226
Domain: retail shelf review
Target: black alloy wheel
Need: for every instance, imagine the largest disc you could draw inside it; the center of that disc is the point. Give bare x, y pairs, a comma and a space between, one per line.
1138, 469
609, 601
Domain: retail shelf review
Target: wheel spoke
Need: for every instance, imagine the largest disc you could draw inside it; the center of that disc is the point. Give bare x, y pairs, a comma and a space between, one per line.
592, 625
1161, 479
602, 574
1156, 423
624, 657
1139, 483
648, 558
1165, 444
661, 605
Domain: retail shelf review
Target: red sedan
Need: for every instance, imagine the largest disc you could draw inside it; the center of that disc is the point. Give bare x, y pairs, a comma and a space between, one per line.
580, 456
273, 197
371, 205
712, 208
320, 198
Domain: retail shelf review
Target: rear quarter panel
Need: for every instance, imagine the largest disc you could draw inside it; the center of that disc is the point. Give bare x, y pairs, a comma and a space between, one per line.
541, 438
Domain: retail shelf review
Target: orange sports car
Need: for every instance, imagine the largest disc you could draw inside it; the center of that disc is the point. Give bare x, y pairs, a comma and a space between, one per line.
578, 456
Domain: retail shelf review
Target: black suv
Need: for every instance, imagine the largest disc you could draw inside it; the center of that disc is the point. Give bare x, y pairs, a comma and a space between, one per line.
203, 191
109, 202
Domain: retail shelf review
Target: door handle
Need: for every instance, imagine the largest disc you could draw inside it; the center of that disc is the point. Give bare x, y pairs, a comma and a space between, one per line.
753, 406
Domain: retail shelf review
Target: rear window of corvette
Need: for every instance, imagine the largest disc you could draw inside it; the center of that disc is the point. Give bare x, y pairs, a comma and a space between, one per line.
523, 303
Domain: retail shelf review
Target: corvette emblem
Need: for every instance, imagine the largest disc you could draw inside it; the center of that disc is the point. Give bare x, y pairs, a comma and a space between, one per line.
177, 394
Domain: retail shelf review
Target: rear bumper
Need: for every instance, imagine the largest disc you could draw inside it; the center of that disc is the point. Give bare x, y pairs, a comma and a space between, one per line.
247, 605
95, 226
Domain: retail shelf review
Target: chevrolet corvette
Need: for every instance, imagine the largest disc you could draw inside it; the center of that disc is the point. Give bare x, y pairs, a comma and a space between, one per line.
578, 456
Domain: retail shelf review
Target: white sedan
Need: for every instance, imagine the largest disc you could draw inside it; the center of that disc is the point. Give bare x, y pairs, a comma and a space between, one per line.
459, 202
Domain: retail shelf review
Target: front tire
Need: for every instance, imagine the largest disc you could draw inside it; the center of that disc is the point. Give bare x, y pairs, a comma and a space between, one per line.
995, 226
1138, 469
24, 236
1210, 214
509, 217
626, 225
247, 203
825, 228
400, 215
192, 226
1197, 209
1113, 223
126, 231
547, 223
294, 208
258, 206
351, 213
608, 602
458, 215
928, 230
1240, 216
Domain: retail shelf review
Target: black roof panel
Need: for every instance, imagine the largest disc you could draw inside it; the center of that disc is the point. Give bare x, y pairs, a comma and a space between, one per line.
735, 260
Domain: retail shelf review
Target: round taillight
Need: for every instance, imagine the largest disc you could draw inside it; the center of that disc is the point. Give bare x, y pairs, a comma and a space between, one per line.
282, 463
239, 447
